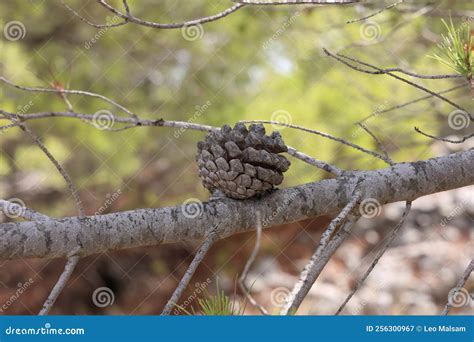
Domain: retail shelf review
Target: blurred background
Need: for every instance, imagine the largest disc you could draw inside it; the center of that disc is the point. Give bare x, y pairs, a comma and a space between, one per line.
258, 63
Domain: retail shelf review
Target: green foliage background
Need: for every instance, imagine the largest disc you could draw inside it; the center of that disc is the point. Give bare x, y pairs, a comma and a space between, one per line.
248, 65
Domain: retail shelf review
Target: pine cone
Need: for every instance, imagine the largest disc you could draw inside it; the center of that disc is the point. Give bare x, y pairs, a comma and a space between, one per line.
242, 163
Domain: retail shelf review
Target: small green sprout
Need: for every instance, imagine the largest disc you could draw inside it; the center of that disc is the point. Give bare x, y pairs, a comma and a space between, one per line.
216, 305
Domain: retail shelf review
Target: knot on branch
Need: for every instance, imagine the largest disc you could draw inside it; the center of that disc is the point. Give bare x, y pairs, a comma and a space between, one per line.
241, 162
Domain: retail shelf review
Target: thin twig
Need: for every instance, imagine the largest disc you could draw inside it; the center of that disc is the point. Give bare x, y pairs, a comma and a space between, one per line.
459, 286
460, 141
133, 123
413, 74
325, 237
339, 57
72, 260
130, 18
60, 284
325, 135
375, 13
405, 104
383, 71
321, 256
2, 128
127, 8
378, 142
315, 162
208, 242
72, 92
317, 264
88, 22
394, 28
15, 119
249, 264
387, 244
187, 125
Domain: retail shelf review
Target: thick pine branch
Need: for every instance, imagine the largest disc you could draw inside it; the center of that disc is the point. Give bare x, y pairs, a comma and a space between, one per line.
142, 227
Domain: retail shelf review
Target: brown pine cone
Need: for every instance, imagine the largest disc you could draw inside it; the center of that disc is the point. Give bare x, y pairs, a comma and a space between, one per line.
242, 163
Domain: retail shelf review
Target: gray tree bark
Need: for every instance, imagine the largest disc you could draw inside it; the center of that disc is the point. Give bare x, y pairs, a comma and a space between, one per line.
52, 238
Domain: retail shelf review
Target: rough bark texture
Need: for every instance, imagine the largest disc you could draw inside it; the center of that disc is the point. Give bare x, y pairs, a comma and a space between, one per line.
141, 227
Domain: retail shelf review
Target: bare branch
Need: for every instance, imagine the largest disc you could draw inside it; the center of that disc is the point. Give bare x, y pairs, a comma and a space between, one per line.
378, 142
249, 264
317, 267
460, 141
312, 161
100, 233
73, 92
69, 8
187, 125
10, 208
15, 119
132, 122
421, 12
321, 256
127, 8
387, 244
72, 260
208, 242
325, 135
458, 287
3, 128
405, 104
381, 71
375, 13
60, 284
130, 18
340, 58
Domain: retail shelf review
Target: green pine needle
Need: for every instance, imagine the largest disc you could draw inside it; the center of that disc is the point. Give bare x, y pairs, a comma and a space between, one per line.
457, 48
216, 305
